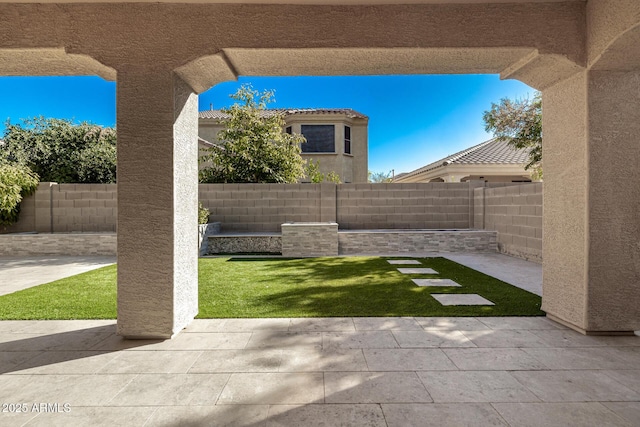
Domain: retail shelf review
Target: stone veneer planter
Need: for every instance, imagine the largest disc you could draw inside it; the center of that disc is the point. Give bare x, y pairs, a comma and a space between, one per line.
302, 239
405, 241
204, 231
27, 244
245, 243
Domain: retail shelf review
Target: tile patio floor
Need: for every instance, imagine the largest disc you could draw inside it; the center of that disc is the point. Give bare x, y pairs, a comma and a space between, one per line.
323, 371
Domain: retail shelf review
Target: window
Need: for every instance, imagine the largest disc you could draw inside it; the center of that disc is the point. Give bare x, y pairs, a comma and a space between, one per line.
288, 130
347, 140
320, 138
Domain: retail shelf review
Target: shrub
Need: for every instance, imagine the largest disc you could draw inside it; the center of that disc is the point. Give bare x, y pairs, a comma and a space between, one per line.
203, 214
16, 182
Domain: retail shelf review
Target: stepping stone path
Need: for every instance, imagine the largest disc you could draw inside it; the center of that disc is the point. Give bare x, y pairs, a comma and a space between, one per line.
403, 261
461, 299
435, 282
444, 299
417, 271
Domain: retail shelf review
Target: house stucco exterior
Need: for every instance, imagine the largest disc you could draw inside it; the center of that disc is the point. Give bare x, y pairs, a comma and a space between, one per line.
583, 55
352, 167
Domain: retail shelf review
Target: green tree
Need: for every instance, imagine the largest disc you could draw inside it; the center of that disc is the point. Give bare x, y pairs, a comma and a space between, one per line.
59, 151
252, 146
380, 177
519, 123
312, 171
16, 182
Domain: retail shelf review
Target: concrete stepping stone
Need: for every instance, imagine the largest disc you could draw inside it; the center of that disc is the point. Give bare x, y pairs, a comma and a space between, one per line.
417, 271
435, 282
403, 261
461, 299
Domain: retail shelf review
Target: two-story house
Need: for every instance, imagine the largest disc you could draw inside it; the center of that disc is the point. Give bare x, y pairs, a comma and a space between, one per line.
337, 138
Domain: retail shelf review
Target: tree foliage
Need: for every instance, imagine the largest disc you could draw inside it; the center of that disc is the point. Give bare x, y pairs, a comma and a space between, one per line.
380, 177
312, 171
16, 182
253, 146
59, 151
519, 123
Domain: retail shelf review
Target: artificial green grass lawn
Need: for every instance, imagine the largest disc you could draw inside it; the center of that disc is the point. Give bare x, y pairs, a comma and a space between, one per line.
271, 287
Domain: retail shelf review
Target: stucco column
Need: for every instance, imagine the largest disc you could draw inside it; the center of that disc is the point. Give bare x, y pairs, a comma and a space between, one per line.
157, 122
592, 201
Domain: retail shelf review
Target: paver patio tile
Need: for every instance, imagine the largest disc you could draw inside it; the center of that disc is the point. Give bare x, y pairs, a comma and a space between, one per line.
171, 389
254, 360
238, 325
566, 338
403, 261
191, 341
319, 360
76, 390
432, 338
579, 358
273, 388
475, 386
66, 362
525, 323
16, 419
331, 324
627, 354
284, 340
619, 341
57, 326
630, 411
410, 270
461, 299
408, 359
441, 415
83, 340
451, 323
363, 339
374, 387
628, 378
504, 339
435, 282
151, 362
386, 324
11, 326
492, 359
558, 414
574, 386
95, 416
365, 415
219, 416
10, 360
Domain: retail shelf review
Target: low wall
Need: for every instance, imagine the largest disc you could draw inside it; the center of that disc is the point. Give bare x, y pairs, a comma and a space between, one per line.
58, 244
515, 212
408, 241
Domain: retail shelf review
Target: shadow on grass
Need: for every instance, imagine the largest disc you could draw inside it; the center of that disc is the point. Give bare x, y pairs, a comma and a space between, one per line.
358, 286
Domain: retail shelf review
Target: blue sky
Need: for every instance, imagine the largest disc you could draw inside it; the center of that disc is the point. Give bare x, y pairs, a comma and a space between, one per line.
413, 120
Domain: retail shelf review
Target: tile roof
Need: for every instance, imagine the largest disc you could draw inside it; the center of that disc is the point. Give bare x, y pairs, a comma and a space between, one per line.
219, 114
492, 151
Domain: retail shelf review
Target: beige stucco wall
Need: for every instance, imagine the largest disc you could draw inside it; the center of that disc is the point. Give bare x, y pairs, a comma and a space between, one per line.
583, 55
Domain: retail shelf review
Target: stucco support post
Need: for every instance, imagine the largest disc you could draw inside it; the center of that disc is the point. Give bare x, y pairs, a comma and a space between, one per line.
157, 122
591, 202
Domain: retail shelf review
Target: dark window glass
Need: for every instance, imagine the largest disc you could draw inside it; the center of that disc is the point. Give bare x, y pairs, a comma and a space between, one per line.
347, 140
288, 130
320, 139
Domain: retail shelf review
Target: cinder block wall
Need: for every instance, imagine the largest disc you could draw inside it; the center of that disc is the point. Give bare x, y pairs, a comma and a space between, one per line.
64, 208
264, 207
84, 207
515, 212
409, 206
